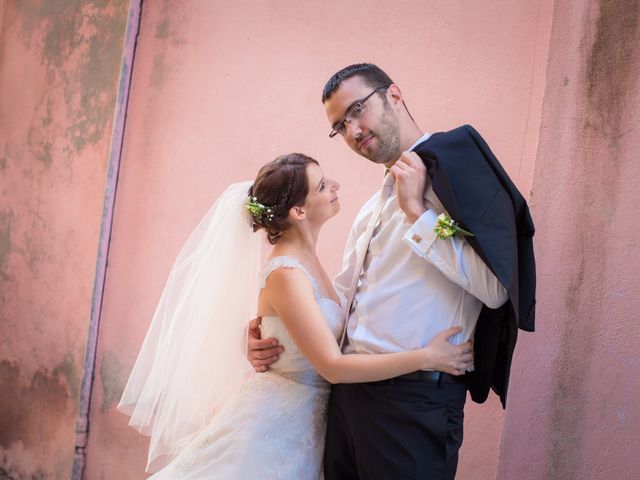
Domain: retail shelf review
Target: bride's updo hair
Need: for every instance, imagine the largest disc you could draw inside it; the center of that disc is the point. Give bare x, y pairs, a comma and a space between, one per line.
279, 186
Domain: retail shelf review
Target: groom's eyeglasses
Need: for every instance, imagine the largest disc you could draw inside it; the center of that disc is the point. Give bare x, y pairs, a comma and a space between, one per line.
354, 112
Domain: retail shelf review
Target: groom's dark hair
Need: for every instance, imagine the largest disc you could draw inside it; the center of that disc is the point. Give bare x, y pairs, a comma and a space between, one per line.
372, 75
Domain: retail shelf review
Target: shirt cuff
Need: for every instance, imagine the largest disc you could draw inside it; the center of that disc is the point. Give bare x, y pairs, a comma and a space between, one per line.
421, 235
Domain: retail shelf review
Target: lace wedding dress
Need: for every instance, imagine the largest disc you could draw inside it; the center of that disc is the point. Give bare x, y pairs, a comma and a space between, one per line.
274, 426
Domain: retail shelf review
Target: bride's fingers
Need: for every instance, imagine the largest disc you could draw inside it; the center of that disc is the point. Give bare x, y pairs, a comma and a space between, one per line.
456, 372
266, 354
262, 365
264, 362
266, 344
255, 323
466, 366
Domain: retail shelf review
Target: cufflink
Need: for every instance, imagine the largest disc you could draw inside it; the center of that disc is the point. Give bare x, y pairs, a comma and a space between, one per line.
416, 238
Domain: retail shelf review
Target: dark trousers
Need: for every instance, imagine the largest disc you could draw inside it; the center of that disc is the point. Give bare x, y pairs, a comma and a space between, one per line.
394, 430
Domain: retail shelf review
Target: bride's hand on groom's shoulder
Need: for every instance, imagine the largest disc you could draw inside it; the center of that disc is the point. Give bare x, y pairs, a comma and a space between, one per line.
261, 352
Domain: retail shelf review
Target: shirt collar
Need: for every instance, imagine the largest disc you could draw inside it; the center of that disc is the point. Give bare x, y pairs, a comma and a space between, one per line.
423, 138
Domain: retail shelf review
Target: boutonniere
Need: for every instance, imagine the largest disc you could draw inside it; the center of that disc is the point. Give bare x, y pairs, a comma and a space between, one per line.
446, 227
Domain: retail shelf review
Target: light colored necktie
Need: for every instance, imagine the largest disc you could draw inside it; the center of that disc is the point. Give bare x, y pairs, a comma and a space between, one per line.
362, 245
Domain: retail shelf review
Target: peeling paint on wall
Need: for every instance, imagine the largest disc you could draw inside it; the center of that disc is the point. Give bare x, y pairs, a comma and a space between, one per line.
80, 49
34, 246
25, 415
59, 71
17, 474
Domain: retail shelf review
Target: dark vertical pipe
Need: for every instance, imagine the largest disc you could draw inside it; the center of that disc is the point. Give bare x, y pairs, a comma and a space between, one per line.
115, 154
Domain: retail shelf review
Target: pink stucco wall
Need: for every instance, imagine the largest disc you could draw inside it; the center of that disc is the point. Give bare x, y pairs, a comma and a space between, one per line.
219, 88
575, 411
59, 67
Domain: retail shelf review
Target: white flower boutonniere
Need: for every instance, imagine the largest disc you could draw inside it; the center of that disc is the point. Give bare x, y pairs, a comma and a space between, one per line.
446, 228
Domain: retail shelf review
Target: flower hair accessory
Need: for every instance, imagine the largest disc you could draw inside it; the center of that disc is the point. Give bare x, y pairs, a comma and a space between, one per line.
258, 210
446, 228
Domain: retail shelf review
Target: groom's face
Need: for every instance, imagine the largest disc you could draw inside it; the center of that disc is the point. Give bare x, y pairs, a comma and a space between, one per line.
375, 134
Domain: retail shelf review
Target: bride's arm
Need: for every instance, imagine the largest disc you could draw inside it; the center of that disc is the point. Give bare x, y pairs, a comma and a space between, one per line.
291, 296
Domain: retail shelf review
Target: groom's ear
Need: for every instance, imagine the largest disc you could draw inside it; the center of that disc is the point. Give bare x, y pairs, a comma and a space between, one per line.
394, 95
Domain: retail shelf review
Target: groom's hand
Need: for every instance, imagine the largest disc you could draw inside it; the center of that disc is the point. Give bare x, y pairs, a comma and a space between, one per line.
261, 353
411, 178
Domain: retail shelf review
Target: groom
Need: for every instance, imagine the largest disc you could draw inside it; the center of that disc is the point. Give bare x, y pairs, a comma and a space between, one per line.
403, 284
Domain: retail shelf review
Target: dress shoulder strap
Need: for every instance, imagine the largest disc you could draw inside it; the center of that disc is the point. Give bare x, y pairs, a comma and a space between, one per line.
285, 262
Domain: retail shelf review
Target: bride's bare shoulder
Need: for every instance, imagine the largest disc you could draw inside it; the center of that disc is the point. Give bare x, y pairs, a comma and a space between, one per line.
287, 278
286, 283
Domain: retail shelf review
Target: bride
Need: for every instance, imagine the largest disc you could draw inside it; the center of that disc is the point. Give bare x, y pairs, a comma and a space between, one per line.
192, 389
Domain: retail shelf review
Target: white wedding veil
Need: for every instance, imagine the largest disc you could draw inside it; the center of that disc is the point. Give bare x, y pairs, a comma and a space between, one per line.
194, 354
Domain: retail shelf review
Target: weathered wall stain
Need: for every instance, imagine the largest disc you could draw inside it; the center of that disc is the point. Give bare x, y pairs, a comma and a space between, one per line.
159, 71
160, 67
612, 69
5, 242
25, 420
25, 414
59, 62
69, 368
162, 29
80, 49
4, 158
36, 247
567, 417
18, 474
113, 376
9, 373
611, 61
611, 64
166, 31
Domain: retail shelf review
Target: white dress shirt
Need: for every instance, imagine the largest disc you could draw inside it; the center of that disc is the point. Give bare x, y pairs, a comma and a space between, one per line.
412, 284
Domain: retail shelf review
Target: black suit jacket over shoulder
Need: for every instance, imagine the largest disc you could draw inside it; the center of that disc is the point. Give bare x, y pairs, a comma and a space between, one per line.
479, 195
